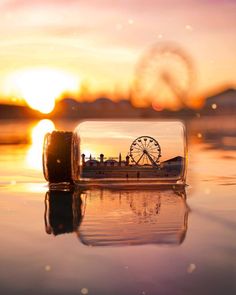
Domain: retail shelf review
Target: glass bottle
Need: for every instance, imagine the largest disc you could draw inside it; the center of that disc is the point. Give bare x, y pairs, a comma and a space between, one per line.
117, 153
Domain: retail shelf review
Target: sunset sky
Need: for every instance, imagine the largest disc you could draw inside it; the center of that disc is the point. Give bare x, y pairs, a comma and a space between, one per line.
100, 42
114, 137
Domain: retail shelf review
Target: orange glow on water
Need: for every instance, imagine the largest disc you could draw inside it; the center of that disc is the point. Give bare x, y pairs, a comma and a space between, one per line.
34, 155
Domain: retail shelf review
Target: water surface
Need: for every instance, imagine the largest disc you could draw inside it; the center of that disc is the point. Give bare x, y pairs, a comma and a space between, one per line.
119, 242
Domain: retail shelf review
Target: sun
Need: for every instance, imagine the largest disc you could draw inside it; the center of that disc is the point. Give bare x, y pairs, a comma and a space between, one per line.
40, 87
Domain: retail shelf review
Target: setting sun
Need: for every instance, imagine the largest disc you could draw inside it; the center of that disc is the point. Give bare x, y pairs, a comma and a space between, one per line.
40, 87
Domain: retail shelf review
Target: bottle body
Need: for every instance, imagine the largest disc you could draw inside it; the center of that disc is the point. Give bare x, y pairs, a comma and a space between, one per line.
119, 153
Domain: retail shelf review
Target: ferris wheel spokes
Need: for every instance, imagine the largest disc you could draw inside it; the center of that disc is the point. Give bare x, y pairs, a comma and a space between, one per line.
146, 151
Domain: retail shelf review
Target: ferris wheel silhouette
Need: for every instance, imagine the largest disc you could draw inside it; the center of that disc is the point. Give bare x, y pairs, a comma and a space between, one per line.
145, 150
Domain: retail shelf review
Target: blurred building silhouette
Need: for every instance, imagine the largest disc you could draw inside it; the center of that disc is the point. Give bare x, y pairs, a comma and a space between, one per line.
106, 108
221, 103
69, 108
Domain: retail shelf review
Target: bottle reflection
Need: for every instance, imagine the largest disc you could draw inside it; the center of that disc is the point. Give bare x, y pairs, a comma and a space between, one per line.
62, 212
118, 218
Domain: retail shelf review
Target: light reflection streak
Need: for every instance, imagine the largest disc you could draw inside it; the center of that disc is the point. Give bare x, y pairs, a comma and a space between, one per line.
34, 154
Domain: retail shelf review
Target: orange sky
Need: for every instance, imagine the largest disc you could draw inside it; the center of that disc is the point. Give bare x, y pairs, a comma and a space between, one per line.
101, 41
112, 138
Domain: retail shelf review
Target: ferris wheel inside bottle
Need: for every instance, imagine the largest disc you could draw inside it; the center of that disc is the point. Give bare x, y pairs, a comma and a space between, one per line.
117, 153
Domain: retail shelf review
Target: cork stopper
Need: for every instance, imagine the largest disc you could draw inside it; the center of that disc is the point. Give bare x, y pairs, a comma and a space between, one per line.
57, 157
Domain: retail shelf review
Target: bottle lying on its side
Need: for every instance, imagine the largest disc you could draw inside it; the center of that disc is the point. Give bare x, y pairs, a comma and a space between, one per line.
117, 153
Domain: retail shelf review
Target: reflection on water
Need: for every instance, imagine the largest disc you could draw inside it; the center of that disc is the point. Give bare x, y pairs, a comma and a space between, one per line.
62, 212
225, 140
118, 218
34, 155
215, 133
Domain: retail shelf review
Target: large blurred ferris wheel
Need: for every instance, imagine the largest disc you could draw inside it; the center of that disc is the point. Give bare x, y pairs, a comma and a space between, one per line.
163, 77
